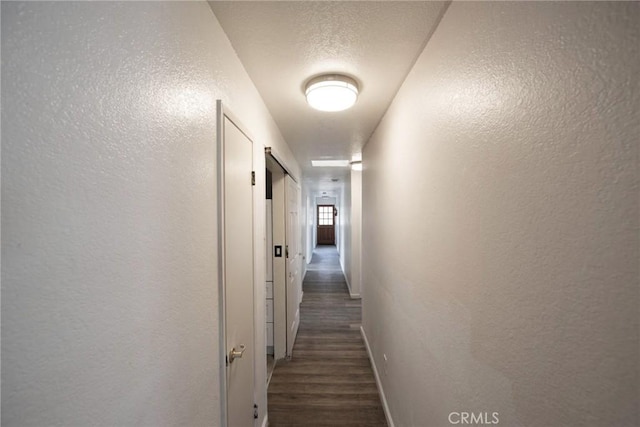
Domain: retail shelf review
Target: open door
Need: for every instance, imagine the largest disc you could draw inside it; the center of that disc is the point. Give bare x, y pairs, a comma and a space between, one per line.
235, 189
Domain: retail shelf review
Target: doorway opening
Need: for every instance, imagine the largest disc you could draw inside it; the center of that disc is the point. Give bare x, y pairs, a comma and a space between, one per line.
275, 251
283, 255
270, 275
326, 225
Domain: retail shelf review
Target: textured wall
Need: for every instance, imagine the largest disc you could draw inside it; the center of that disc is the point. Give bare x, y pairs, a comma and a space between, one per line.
356, 233
501, 219
109, 294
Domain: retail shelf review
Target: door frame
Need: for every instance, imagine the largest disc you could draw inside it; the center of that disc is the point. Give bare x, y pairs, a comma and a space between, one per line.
221, 113
333, 222
279, 262
281, 292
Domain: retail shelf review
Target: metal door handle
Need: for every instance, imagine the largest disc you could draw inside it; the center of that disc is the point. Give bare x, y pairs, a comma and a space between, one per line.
236, 354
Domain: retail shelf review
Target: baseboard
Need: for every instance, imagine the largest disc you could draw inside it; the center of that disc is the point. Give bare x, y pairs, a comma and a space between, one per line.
383, 397
351, 294
265, 423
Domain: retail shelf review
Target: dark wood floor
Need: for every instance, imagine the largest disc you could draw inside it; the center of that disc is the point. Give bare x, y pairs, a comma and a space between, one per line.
329, 381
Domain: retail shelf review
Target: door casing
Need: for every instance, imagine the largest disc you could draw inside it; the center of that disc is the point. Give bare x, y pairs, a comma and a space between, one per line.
225, 117
326, 233
279, 263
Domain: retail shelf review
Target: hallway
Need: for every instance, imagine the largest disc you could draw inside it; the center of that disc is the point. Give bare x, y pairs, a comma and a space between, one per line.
329, 381
481, 162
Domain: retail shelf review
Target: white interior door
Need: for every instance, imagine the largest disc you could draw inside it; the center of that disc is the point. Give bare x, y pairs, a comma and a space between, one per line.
294, 255
238, 274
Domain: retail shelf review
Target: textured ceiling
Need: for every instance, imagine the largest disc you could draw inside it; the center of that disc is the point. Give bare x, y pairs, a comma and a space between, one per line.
282, 44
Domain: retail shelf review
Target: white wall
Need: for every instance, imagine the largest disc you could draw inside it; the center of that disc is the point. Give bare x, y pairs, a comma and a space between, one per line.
302, 218
309, 229
343, 230
109, 293
306, 223
355, 281
500, 225
314, 226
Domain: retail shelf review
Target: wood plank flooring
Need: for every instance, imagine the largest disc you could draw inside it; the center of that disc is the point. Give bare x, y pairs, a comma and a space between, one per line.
329, 381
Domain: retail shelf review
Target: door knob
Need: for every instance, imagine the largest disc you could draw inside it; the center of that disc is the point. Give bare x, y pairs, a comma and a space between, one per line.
236, 354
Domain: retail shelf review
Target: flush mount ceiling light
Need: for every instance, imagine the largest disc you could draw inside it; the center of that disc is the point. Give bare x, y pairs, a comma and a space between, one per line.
331, 92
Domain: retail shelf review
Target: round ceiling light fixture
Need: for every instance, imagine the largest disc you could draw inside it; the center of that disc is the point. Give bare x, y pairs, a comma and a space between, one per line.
331, 92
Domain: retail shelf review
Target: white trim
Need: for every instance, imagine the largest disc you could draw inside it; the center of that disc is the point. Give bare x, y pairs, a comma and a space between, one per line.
351, 294
383, 397
270, 151
346, 279
265, 423
221, 113
222, 342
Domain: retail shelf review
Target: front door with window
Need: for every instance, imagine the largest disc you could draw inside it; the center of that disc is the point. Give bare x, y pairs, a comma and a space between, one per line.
326, 229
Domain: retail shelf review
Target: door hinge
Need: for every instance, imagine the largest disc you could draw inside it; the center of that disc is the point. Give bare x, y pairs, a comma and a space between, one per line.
255, 411
286, 251
253, 178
